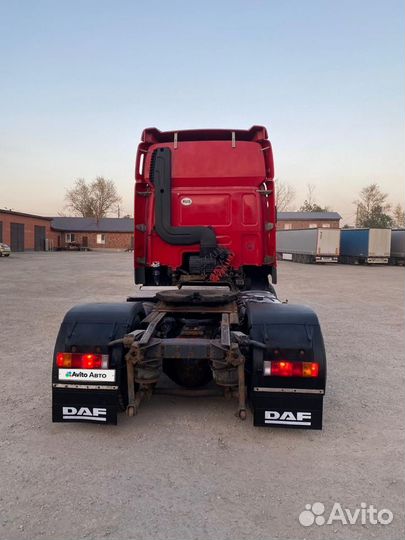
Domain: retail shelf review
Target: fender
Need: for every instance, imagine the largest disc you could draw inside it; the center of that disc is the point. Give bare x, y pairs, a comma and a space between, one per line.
89, 328
289, 332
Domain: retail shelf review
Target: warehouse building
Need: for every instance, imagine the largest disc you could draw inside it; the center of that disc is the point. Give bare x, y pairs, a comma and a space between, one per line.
23, 231
89, 233
308, 220
31, 232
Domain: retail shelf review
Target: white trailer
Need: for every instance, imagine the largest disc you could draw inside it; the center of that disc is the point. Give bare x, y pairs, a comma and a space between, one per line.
309, 245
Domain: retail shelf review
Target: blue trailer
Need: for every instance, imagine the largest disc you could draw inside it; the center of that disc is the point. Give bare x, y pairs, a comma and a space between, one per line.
365, 246
398, 247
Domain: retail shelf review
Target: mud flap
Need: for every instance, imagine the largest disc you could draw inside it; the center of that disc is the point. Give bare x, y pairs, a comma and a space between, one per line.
287, 410
292, 333
89, 328
93, 406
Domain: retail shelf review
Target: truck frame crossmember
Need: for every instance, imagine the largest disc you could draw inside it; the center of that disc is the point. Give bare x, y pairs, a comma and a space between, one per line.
146, 353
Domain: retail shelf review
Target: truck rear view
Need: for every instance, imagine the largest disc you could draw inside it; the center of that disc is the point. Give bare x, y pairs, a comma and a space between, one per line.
204, 202
206, 313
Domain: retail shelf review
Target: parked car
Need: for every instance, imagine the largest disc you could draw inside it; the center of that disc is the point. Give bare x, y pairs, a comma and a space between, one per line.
4, 250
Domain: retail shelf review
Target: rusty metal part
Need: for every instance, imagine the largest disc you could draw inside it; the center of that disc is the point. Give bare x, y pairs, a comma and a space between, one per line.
193, 297
154, 319
144, 392
146, 353
185, 392
127, 340
225, 330
192, 332
230, 372
131, 387
231, 309
133, 357
148, 371
242, 390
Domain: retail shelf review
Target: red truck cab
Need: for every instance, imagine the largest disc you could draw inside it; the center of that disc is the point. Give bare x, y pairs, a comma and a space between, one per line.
205, 207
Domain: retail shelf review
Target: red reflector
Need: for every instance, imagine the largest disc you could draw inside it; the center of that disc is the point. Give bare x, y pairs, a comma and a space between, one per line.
284, 368
82, 361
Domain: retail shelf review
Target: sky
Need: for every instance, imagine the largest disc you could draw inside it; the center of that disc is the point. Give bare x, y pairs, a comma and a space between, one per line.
79, 81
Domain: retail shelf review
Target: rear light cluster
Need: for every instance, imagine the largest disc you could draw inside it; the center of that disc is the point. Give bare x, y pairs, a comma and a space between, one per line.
82, 361
285, 368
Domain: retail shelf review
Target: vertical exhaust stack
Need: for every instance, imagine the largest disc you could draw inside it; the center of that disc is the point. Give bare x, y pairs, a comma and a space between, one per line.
161, 176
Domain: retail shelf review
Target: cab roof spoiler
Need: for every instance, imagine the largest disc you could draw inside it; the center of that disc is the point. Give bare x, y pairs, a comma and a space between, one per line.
254, 134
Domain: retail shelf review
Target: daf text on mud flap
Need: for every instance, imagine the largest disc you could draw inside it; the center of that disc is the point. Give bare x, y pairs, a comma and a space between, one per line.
84, 413
288, 418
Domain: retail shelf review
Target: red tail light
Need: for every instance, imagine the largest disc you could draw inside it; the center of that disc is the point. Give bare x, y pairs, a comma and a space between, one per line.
82, 361
285, 368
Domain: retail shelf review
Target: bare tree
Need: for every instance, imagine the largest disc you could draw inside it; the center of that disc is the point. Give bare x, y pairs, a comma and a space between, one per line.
372, 208
78, 199
399, 217
310, 194
310, 205
95, 199
285, 195
104, 196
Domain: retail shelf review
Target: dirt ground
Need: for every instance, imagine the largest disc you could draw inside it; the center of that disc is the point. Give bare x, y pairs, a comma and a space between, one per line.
187, 468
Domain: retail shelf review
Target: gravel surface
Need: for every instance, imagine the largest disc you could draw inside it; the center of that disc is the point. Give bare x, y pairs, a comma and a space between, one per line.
187, 468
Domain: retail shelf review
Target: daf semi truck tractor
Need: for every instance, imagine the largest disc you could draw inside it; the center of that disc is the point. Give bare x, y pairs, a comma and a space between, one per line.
204, 310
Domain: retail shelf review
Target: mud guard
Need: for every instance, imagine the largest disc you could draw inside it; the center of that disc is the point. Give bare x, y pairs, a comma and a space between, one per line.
289, 332
88, 328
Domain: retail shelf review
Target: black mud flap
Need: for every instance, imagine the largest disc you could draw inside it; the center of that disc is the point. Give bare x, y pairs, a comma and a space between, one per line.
93, 406
289, 332
78, 396
287, 410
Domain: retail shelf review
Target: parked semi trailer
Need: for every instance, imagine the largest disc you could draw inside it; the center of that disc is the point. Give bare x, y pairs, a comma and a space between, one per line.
397, 247
309, 245
206, 311
365, 246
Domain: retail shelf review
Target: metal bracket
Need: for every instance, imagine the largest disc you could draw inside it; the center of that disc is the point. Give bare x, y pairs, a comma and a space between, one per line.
225, 330
271, 390
153, 320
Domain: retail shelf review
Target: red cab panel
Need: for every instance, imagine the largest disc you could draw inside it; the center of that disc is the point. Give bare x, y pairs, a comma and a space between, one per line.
221, 180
